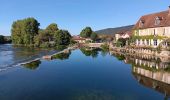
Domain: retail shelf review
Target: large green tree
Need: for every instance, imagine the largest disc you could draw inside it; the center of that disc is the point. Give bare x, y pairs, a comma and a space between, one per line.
62, 37
24, 31
51, 29
17, 32
86, 32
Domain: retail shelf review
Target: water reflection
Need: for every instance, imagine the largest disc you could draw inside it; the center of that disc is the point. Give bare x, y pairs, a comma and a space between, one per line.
93, 52
62, 56
149, 71
32, 65
94, 95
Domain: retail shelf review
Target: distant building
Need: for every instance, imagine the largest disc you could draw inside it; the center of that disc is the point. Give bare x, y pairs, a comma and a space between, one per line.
153, 29
124, 35
79, 39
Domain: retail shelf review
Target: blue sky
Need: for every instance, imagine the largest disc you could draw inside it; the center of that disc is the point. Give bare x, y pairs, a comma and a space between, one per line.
74, 15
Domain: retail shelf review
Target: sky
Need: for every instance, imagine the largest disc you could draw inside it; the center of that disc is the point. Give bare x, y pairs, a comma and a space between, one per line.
74, 15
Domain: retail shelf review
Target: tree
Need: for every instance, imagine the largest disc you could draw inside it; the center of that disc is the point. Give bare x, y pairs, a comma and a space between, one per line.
86, 33
42, 39
2, 39
121, 42
94, 36
51, 29
17, 32
24, 31
62, 37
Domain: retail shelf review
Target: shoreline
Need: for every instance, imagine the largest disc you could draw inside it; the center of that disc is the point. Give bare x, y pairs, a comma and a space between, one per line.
131, 51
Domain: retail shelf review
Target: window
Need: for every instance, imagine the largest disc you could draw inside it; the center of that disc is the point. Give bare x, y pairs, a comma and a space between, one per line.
141, 23
158, 20
143, 42
138, 42
154, 32
147, 42
155, 42
164, 32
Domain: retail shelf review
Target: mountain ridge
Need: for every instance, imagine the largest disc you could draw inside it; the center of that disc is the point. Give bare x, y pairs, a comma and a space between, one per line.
112, 31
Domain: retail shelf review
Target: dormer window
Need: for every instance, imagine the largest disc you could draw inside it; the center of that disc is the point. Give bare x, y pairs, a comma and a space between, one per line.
141, 23
158, 20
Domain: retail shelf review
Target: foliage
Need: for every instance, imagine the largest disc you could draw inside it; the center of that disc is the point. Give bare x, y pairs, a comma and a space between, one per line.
50, 30
33, 65
72, 42
90, 52
104, 52
94, 36
2, 39
120, 57
106, 38
62, 37
62, 56
42, 38
24, 31
105, 47
45, 45
86, 32
147, 37
121, 42
167, 69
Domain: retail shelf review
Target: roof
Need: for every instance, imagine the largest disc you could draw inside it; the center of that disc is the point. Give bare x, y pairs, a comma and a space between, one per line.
125, 33
148, 21
78, 38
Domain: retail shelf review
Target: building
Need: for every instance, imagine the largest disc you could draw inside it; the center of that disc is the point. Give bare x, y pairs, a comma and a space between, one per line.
152, 29
124, 35
79, 39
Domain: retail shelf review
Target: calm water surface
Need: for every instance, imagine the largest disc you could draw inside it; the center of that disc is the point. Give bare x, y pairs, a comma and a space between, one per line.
88, 75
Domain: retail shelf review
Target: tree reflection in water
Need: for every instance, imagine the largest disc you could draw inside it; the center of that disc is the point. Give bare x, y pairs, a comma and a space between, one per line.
90, 52
120, 57
32, 65
62, 56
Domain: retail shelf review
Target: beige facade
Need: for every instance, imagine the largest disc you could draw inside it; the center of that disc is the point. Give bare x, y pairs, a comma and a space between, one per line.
159, 31
159, 34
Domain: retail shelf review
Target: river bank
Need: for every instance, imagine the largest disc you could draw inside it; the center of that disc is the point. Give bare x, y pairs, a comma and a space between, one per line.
144, 51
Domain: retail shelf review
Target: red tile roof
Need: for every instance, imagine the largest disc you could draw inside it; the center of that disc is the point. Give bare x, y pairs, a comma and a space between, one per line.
148, 21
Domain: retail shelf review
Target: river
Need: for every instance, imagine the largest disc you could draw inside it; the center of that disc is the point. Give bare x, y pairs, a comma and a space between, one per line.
83, 74
11, 56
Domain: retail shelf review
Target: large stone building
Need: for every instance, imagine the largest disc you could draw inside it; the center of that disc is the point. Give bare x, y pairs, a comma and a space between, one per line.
153, 29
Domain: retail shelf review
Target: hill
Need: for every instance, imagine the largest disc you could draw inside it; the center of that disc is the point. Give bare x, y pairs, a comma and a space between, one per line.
112, 31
